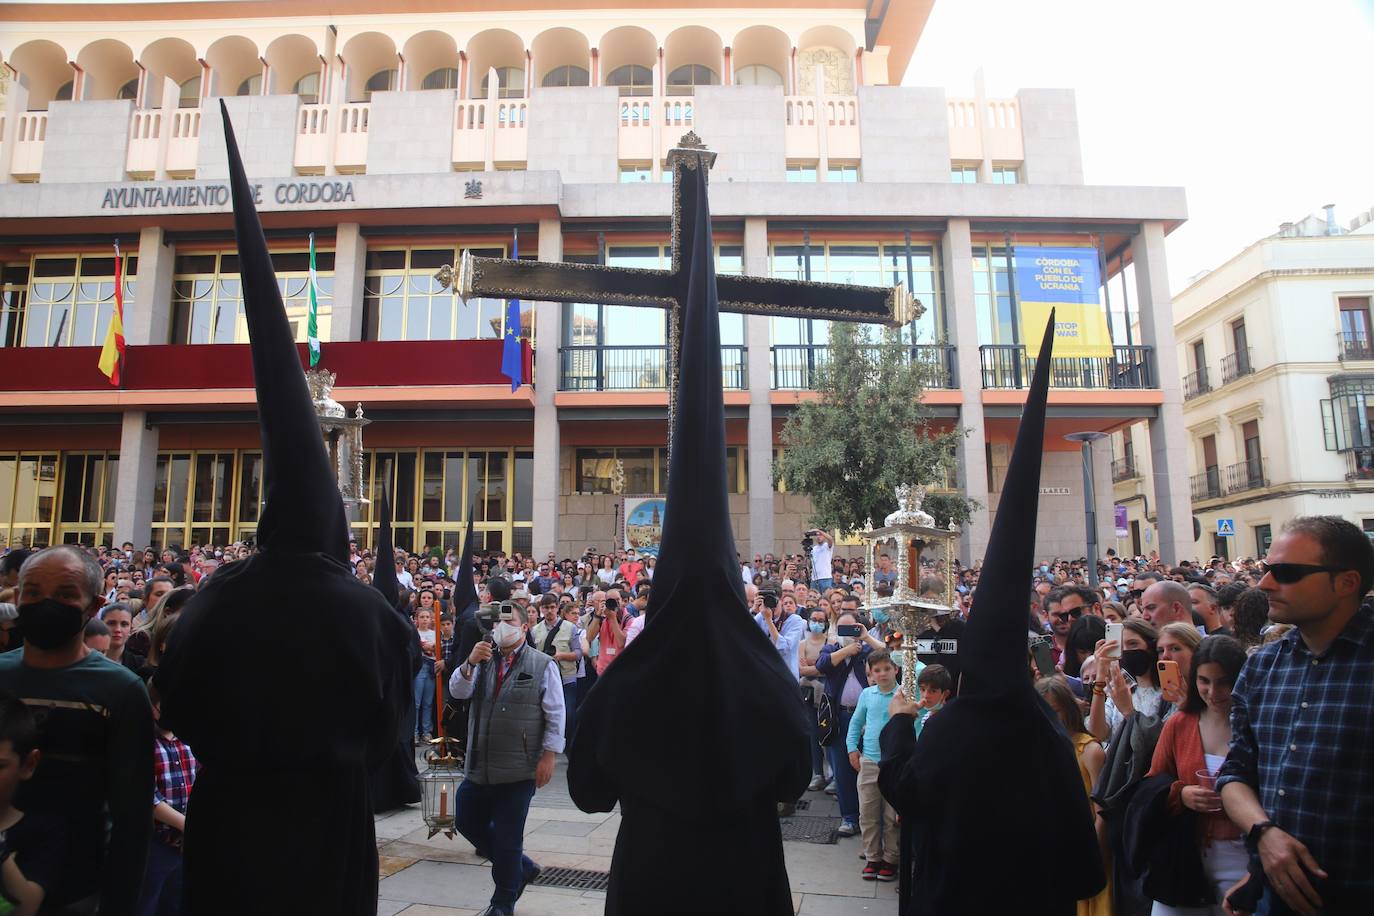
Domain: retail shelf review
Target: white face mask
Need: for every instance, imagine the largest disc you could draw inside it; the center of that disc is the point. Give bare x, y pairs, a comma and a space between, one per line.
508, 634
846, 641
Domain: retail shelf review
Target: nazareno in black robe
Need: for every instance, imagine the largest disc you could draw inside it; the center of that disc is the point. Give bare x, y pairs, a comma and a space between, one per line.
994, 815
697, 729
280, 819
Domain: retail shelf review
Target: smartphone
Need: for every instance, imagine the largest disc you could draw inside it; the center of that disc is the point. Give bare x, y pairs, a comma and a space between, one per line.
1168, 675
1115, 631
1044, 658
848, 629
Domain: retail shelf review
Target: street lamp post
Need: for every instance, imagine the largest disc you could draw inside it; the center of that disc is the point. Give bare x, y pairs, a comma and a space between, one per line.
1086, 439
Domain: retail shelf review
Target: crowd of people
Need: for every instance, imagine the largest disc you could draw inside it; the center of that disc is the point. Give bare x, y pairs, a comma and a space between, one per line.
1147, 669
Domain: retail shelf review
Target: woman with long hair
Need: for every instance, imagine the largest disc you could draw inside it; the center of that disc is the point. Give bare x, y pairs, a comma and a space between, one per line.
1191, 749
1251, 615
140, 641
424, 678
1177, 643
606, 574
1126, 681
1091, 759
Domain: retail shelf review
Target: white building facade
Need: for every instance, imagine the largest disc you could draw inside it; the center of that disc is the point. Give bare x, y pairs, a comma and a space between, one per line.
1278, 361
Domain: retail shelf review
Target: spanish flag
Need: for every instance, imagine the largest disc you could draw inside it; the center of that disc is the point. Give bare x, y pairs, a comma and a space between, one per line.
112, 353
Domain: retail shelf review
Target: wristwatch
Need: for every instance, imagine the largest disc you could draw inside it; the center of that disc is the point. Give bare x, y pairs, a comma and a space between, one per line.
1252, 836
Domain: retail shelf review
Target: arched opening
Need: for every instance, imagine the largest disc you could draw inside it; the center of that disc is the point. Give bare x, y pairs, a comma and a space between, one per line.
233, 61
64, 92
293, 65
759, 55
832, 50
628, 55
431, 61
502, 51
171, 59
110, 69
250, 86
567, 75
43, 67
560, 57
691, 57
371, 62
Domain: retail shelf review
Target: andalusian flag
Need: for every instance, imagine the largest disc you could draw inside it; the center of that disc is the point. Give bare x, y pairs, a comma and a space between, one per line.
312, 329
112, 353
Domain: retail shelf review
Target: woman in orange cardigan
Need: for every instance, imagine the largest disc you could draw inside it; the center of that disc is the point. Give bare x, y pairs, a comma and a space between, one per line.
1191, 749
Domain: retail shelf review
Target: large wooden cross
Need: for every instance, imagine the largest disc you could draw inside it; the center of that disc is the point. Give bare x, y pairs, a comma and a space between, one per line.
503, 278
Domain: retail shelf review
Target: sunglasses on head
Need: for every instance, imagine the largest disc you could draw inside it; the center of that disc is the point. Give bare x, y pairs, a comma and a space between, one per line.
1289, 573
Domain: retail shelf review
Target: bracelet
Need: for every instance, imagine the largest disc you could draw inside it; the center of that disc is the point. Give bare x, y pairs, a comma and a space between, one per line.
1099, 690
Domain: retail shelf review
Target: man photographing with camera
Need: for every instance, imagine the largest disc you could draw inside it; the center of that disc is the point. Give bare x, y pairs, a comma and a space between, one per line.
515, 727
822, 549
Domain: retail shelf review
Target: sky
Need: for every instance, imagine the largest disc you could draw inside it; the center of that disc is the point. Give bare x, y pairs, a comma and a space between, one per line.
1262, 111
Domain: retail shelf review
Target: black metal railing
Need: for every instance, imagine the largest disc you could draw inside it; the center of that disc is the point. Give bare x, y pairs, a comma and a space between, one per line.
795, 366
1195, 384
1361, 464
1246, 475
1237, 364
1207, 485
612, 368
1123, 469
1354, 345
1008, 366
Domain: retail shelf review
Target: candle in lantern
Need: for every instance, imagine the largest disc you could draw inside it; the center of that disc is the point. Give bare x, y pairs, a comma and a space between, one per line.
443, 801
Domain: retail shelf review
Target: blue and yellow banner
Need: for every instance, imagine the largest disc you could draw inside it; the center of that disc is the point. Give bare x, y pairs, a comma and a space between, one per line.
1067, 280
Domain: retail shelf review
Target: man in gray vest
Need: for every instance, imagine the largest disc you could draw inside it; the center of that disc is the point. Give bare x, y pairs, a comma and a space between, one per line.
515, 727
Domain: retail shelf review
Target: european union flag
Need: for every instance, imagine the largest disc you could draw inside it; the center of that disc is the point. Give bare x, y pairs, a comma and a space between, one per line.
512, 360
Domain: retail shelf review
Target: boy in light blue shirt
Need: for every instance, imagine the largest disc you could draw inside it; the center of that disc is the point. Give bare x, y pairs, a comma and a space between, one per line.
877, 819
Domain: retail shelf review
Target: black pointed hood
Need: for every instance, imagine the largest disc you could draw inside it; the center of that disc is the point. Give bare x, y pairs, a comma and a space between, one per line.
741, 695
302, 511
464, 590
384, 573
993, 649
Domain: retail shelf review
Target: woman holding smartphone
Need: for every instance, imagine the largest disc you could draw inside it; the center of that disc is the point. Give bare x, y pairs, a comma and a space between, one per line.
1192, 748
1126, 681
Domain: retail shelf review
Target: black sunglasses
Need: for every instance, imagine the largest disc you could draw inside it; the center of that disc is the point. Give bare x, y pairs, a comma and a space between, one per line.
1061, 616
1289, 573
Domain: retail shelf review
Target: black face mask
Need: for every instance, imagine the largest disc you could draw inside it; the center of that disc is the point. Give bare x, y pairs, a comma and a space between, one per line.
1136, 662
50, 624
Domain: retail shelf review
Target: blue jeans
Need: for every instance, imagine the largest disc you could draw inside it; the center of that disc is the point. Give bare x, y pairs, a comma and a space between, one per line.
161, 881
424, 699
569, 709
492, 819
821, 585
846, 779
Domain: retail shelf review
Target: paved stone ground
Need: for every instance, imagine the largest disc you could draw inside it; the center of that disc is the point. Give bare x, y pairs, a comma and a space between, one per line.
443, 877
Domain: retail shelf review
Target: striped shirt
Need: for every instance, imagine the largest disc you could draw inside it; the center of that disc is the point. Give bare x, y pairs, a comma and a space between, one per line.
1302, 736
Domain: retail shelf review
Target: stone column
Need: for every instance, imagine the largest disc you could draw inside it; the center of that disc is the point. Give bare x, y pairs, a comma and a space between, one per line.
756, 337
548, 335
16, 103
961, 320
1168, 437
149, 321
133, 519
350, 259
1106, 497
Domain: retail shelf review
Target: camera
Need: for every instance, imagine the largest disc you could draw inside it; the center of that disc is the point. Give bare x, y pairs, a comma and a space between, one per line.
612, 604
770, 599
488, 614
808, 538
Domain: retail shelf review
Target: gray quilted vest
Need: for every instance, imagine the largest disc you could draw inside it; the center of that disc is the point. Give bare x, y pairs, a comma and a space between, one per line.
506, 729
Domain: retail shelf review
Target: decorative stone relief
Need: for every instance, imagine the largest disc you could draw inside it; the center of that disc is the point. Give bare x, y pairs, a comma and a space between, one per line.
835, 64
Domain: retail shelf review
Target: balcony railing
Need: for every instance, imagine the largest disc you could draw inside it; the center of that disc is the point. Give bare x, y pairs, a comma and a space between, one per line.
1361, 464
1354, 345
1236, 365
1123, 469
1195, 384
1008, 366
795, 366
1247, 475
610, 368
1207, 485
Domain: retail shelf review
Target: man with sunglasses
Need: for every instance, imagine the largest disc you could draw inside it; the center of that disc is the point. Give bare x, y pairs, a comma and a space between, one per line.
1299, 779
1066, 605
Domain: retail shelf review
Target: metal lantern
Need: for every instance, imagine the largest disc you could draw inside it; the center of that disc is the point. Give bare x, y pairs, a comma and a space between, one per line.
343, 436
923, 553
439, 788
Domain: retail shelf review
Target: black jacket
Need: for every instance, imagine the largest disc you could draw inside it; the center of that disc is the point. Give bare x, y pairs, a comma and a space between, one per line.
1162, 848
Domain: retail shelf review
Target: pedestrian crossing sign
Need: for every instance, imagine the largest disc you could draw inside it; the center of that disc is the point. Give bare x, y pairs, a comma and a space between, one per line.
1226, 527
